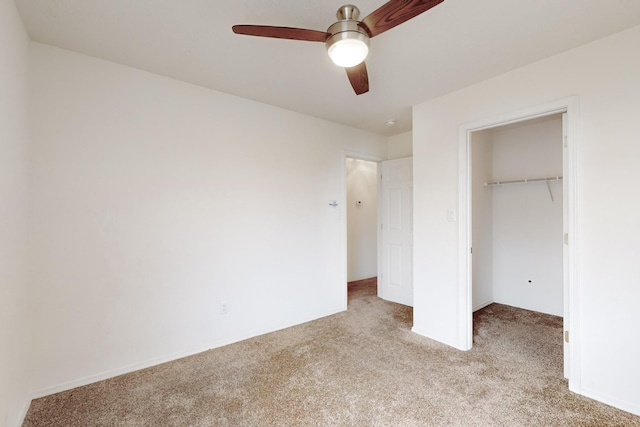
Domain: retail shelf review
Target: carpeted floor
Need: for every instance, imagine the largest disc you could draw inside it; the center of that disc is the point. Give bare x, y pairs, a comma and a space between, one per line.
362, 367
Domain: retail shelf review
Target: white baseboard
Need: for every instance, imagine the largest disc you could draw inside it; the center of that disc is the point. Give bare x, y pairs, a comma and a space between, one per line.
631, 407
361, 278
482, 305
116, 372
22, 414
111, 373
442, 340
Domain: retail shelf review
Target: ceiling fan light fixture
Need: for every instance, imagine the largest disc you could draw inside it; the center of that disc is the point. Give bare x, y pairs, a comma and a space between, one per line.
347, 40
348, 52
348, 45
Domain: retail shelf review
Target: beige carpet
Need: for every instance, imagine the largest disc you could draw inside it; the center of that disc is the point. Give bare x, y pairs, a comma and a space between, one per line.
362, 367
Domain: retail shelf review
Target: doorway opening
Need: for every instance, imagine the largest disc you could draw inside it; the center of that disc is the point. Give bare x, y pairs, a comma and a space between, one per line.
379, 226
362, 219
517, 215
558, 194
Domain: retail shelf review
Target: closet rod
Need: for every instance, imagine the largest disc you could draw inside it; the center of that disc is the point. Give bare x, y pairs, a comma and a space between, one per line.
524, 181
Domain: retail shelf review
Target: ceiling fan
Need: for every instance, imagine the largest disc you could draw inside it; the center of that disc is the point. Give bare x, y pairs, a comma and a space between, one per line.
347, 40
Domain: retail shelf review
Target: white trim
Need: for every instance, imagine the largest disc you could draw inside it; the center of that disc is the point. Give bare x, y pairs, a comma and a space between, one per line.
90, 379
631, 407
23, 413
444, 339
465, 300
565, 248
465, 323
379, 221
573, 256
362, 156
344, 238
482, 305
518, 116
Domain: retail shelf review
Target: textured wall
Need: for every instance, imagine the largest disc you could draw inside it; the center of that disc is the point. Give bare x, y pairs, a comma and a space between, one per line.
14, 317
604, 77
155, 201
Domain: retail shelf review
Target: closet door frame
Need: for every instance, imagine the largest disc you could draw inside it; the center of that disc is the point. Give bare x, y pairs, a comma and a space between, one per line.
571, 314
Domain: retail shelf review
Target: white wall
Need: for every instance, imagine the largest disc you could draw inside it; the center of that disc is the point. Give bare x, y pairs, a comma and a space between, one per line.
482, 227
154, 201
517, 228
362, 220
527, 224
14, 317
400, 146
604, 75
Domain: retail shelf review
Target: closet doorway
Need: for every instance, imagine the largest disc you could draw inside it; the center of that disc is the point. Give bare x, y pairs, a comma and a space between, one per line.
563, 192
517, 215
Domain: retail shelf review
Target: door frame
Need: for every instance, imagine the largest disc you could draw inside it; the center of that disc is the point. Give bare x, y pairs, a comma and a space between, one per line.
346, 154
570, 253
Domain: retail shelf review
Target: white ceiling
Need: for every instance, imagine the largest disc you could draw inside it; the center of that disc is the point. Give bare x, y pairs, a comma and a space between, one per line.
455, 44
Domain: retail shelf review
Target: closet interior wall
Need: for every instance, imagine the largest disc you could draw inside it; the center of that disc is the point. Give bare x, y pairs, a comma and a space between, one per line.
517, 228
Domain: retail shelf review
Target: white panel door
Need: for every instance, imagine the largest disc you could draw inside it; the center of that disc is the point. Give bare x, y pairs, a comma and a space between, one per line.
396, 226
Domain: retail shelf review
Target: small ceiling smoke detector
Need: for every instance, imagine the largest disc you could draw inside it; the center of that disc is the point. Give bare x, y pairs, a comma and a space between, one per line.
390, 123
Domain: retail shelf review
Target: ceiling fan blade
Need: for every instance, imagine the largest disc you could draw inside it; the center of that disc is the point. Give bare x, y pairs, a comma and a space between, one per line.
359, 78
393, 13
281, 32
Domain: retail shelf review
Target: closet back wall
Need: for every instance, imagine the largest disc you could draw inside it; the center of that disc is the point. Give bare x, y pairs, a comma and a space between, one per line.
527, 224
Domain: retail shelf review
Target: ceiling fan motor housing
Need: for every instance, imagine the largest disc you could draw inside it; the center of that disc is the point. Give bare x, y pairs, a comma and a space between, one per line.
348, 11
346, 30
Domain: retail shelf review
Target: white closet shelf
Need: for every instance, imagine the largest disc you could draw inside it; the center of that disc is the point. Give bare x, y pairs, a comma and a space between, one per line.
523, 181
546, 179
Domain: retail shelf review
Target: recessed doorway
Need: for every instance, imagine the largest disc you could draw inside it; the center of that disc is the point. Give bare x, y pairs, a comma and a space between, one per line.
517, 215
568, 238
362, 219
